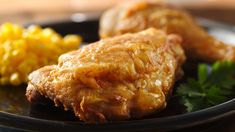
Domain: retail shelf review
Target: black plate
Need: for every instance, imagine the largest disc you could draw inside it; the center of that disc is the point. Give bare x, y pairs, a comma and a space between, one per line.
17, 114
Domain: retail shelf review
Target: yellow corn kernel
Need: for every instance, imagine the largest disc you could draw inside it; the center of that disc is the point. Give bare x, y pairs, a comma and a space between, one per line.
17, 56
48, 32
18, 53
24, 50
7, 31
15, 79
7, 46
20, 44
56, 39
34, 29
18, 31
24, 68
72, 41
6, 56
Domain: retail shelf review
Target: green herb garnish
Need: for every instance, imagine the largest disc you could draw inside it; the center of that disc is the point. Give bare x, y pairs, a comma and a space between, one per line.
215, 84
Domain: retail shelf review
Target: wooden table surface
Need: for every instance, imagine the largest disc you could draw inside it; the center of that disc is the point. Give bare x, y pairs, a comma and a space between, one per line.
31, 11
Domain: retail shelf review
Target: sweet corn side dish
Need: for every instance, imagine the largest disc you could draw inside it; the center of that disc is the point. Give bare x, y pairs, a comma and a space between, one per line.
23, 50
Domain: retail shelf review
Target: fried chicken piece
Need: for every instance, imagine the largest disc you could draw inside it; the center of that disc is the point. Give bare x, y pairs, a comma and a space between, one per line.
124, 77
137, 16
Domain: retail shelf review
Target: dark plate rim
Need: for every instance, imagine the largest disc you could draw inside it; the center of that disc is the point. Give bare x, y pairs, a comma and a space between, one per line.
164, 123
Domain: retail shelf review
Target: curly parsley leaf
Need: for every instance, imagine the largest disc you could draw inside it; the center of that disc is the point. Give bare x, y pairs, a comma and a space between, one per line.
215, 84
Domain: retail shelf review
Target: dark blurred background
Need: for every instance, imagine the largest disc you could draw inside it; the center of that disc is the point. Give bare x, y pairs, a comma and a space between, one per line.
33, 11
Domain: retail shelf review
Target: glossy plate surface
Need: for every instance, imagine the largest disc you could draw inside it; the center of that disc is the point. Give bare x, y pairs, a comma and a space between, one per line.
17, 114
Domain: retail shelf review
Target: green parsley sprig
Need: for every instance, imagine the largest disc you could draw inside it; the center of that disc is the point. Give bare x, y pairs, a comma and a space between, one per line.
215, 84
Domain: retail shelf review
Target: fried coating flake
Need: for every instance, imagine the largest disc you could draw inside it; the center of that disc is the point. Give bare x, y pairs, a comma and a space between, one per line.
128, 76
137, 16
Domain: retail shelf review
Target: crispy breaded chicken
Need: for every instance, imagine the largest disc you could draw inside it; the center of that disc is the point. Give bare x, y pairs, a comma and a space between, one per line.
128, 76
137, 16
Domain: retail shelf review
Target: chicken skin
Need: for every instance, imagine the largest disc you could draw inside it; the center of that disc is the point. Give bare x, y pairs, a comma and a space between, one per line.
137, 16
128, 76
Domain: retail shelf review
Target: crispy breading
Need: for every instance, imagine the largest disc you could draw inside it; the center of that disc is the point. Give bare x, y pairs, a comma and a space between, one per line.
137, 16
128, 76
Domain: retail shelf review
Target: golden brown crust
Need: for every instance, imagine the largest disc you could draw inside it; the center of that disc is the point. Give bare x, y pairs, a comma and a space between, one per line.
137, 16
119, 78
